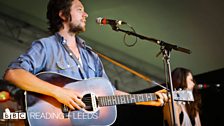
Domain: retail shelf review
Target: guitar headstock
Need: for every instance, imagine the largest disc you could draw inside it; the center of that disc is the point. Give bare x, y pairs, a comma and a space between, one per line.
183, 95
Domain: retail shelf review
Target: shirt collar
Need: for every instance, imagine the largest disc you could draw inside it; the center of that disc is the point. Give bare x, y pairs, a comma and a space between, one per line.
79, 40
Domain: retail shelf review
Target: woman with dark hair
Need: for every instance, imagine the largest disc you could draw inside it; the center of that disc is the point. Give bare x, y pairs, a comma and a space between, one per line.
187, 114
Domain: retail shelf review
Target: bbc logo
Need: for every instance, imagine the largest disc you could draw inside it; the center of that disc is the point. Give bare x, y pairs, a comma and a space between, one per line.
14, 115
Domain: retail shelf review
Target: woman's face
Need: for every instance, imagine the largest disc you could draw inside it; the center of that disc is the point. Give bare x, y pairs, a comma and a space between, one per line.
190, 81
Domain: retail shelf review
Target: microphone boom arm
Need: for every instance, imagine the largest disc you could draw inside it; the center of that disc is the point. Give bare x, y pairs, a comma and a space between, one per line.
159, 42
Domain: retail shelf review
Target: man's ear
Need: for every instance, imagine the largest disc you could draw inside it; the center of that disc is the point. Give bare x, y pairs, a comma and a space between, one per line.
61, 15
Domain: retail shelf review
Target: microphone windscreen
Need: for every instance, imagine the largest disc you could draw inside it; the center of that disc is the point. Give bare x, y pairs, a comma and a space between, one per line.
99, 20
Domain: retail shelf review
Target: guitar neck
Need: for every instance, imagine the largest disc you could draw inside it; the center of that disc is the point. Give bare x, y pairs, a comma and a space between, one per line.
182, 95
125, 99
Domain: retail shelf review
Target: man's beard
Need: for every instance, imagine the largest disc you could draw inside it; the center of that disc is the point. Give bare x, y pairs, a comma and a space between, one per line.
76, 29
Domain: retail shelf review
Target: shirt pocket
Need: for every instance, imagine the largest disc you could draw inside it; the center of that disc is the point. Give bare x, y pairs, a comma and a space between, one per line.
62, 65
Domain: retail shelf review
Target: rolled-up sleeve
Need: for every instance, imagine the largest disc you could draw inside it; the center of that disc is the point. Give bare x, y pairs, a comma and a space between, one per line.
33, 60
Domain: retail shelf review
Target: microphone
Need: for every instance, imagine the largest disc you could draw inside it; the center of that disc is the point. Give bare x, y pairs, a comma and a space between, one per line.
205, 86
105, 21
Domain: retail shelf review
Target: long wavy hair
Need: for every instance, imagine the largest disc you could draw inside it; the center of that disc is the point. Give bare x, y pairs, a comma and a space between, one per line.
53, 9
179, 78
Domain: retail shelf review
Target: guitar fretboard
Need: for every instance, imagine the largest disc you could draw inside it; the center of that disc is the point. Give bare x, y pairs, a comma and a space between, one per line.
125, 99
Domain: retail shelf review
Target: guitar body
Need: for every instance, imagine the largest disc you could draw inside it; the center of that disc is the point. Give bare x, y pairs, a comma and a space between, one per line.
98, 95
43, 110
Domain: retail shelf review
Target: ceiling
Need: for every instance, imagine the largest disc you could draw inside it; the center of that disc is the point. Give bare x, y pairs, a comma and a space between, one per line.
194, 25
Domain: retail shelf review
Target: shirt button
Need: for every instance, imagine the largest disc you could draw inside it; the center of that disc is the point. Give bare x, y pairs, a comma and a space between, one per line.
64, 42
70, 54
68, 65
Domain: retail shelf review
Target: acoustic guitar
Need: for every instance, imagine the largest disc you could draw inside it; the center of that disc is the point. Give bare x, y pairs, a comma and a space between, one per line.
98, 95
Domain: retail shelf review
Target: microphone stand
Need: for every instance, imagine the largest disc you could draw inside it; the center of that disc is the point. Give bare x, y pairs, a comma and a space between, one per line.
165, 48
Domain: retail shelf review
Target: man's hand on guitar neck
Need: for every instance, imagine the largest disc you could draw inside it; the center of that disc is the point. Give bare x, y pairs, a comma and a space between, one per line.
161, 94
162, 99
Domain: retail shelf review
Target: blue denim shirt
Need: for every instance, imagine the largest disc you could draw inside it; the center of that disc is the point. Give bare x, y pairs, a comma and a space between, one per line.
49, 55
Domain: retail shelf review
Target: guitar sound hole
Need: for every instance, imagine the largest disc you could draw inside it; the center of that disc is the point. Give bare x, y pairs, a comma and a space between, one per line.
88, 102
